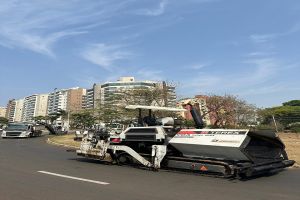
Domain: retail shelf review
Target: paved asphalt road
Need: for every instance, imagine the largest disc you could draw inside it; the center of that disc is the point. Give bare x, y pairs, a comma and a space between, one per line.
21, 159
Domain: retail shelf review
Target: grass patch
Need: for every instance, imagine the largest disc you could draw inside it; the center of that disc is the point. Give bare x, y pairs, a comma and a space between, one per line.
67, 140
292, 145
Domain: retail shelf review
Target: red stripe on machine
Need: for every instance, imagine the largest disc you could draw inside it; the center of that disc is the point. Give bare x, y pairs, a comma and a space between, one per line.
186, 132
192, 132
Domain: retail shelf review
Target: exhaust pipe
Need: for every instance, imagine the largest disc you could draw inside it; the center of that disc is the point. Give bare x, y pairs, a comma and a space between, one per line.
196, 117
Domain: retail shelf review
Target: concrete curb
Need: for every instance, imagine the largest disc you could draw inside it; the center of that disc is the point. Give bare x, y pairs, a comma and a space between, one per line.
49, 141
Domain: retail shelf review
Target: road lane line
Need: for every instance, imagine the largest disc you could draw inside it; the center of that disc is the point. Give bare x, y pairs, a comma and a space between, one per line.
74, 178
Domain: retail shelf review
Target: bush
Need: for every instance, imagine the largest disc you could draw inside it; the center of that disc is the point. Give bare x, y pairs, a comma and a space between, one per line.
189, 123
294, 127
269, 126
265, 127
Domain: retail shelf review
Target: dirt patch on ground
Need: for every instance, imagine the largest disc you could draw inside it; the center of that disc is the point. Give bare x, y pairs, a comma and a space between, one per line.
292, 144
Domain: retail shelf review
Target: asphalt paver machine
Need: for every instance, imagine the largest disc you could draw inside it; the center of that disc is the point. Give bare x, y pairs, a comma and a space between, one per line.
157, 143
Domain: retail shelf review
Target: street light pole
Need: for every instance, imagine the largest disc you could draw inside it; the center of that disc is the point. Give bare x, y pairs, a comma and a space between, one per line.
275, 123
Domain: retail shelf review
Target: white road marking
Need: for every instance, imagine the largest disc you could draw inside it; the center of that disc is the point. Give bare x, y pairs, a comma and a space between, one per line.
74, 178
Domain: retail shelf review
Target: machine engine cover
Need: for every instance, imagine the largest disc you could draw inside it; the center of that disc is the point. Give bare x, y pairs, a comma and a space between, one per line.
229, 144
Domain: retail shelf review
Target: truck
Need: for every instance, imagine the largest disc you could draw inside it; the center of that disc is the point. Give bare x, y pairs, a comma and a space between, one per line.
158, 143
22, 130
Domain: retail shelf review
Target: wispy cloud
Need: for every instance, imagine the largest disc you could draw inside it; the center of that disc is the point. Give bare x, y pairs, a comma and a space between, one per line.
263, 38
264, 90
154, 12
150, 74
260, 54
255, 72
201, 81
38, 43
105, 55
38, 25
198, 66
264, 69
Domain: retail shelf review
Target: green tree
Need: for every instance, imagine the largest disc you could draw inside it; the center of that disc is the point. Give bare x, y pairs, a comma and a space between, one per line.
54, 116
158, 95
113, 109
62, 113
292, 103
3, 120
189, 123
83, 119
39, 118
284, 115
245, 113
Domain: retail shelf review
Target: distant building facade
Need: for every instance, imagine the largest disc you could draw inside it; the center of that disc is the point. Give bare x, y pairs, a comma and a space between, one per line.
76, 99
41, 105
103, 93
18, 110
89, 99
10, 110
2, 111
109, 89
34, 105
57, 100
29, 108
199, 103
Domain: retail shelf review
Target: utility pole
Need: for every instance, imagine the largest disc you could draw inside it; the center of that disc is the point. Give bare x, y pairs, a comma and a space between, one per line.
275, 123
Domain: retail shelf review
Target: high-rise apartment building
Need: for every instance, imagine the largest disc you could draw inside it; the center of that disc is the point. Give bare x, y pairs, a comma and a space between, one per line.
102, 93
97, 94
34, 105
89, 99
128, 83
14, 110
76, 99
57, 100
109, 89
169, 98
10, 110
29, 108
41, 105
2, 111
18, 110
93, 97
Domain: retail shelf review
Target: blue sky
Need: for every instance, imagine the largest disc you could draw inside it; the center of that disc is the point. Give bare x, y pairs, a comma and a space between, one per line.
245, 48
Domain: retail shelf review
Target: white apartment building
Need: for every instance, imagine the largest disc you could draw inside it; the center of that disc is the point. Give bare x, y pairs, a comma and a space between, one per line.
2, 111
57, 100
89, 99
127, 83
34, 105
29, 108
93, 97
124, 83
18, 110
101, 93
41, 105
